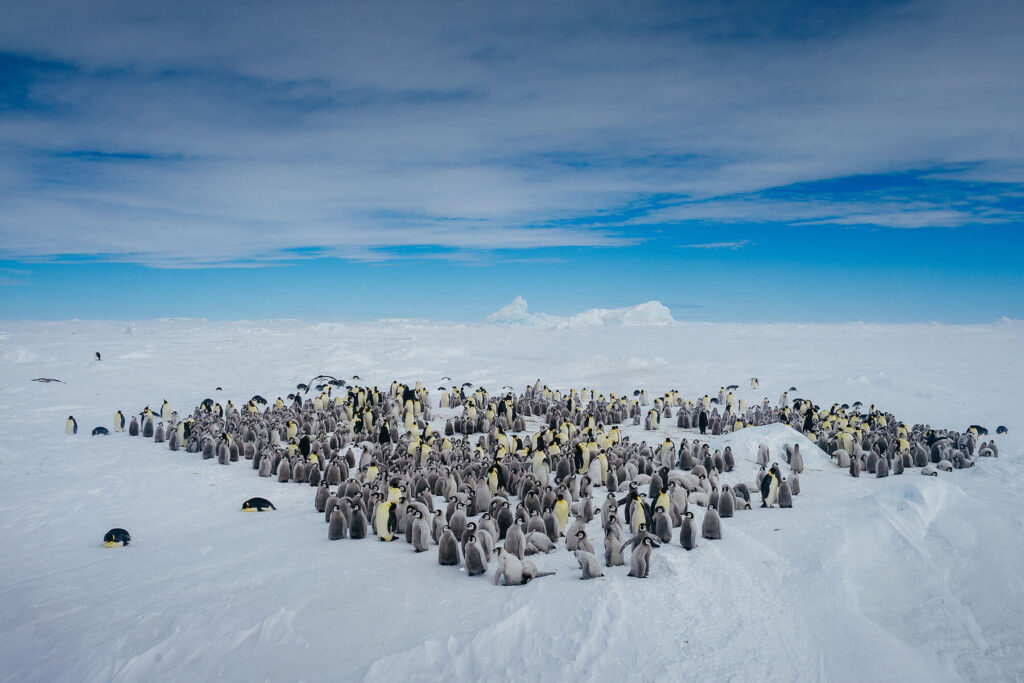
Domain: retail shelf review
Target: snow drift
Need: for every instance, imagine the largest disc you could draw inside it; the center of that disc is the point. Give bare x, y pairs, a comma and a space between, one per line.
901, 578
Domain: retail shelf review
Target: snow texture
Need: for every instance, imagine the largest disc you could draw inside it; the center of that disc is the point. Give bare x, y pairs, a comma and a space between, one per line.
903, 578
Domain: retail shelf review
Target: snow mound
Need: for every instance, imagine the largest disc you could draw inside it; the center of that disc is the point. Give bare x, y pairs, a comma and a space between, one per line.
776, 437
517, 313
649, 313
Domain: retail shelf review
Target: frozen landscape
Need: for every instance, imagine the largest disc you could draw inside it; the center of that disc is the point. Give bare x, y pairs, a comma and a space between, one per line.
902, 578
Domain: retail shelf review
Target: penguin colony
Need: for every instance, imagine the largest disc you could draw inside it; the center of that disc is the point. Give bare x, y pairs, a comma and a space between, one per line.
487, 492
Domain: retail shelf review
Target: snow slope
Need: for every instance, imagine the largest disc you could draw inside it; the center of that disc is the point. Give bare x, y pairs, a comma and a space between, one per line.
908, 577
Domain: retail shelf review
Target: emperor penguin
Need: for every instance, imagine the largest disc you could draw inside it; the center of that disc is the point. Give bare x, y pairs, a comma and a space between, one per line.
785, 495
385, 520
337, 527
561, 512
320, 500
476, 563
796, 462
257, 505
515, 541
71, 426
882, 467
726, 502
448, 548
284, 470
165, 410
97, 356
513, 572
770, 486
420, 532
458, 522
119, 421
688, 532
571, 537
116, 538
266, 462
509, 570
711, 528
662, 525
612, 548
640, 564
437, 524
588, 564
582, 542
357, 527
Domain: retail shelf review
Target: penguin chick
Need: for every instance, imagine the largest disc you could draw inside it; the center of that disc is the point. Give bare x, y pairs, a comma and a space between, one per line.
476, 563
612, 549
640, 564
448, 548
588, 564
688, 532
583, 543
420, 532
711, 528
537, 543
337, 528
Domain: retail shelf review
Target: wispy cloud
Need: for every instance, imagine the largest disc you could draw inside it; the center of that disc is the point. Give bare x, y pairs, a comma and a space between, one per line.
198, 134
717, 245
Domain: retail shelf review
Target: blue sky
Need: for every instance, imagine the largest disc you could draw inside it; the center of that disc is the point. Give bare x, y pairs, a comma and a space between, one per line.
798, 161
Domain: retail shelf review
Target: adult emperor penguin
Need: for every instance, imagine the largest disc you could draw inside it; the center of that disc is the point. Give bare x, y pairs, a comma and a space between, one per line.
119, 421
561, 512
71, 426
116, 538
257, 505
770, 486
385, 521
165, 410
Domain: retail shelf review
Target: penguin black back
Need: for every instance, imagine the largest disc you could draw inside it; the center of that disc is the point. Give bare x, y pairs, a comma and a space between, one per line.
116, 538
257, 505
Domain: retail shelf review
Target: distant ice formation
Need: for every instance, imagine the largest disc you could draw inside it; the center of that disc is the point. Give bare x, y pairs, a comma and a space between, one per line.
516, 313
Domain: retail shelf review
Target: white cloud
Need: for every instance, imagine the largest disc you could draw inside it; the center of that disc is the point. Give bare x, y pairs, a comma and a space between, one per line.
357, 127
717, 245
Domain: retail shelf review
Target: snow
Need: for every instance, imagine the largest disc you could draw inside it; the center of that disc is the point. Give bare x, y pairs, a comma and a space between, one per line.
902, 578
516, 313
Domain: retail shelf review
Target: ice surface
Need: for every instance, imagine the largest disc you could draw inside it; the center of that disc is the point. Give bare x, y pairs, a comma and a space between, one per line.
902, 578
